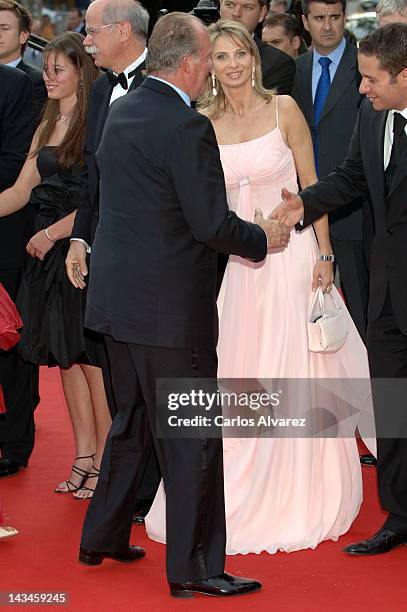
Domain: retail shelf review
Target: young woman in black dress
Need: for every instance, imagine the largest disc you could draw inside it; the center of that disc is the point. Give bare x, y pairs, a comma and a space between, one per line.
51, 308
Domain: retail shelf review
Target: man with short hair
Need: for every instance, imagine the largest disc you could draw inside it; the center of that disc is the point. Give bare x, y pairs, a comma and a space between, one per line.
15, 28
391, 11
75, 22
377, 163
278, 7
326, 88
116, 39
164, 216
277, 68
17, 125
283, 32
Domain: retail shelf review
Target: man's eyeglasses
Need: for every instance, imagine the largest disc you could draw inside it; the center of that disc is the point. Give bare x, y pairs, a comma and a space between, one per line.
94, 31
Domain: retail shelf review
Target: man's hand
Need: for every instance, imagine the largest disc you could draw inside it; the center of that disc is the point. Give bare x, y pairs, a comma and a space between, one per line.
75, 262
277, 233
290, 211
39, 245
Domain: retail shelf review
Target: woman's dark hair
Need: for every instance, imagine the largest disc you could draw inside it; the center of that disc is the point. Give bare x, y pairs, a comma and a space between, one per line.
70, 45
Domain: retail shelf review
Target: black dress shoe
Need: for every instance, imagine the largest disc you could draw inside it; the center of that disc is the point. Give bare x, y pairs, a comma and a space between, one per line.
93, 557
8, 467
224, 585
368, 459
140, 512
383, 541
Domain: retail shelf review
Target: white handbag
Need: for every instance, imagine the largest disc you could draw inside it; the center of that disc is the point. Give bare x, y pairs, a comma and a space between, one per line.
327, 327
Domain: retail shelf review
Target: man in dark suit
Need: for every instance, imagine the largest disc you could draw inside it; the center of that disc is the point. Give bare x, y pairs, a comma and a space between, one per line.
163, 217
277, 67
377, 163
123, 53
76, 22
17, 124
332, 129
15, 28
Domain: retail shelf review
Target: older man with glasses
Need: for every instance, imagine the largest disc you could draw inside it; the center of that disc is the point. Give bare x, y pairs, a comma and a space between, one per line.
116, 34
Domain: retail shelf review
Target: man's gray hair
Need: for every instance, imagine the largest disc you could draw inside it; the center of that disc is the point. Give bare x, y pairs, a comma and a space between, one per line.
128, 10
174, 36
391, 7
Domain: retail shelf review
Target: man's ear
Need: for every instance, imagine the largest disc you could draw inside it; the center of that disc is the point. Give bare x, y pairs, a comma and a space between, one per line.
24, 36
185, 64
262, 13
124, 30
305, 22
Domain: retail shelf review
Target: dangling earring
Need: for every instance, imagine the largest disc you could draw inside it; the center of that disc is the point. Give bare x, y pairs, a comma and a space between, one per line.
253, 73
81, 85
214, 90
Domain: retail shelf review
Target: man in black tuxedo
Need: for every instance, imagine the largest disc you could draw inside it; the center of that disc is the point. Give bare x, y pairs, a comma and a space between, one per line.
377, 163
15, 27
17, 125
121, 48
163, 217
332, 130
277, 67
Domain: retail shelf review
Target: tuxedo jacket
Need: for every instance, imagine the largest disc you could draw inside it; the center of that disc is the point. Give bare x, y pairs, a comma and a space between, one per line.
278, 68
163, 216
17, 125
40, 91
88, 213
361, 172
335, 129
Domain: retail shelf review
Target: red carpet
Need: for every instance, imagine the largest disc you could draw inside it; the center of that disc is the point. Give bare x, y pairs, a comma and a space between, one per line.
43, 558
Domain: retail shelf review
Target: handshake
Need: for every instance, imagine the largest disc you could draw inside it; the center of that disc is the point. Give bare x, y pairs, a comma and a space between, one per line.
278, 224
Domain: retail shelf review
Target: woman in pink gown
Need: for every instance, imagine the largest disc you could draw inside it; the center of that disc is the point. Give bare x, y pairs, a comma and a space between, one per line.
290, 493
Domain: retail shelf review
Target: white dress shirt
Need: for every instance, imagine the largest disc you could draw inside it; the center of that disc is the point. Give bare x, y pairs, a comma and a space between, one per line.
388, 134
15, 62
117, 93
118, 90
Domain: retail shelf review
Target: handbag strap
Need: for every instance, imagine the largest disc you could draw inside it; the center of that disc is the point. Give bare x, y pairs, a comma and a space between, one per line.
322, 300
323, 297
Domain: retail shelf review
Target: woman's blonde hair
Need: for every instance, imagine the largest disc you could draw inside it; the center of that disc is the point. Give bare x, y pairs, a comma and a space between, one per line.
215, 106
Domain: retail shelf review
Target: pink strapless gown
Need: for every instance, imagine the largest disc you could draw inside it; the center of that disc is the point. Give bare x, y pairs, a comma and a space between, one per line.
285, 494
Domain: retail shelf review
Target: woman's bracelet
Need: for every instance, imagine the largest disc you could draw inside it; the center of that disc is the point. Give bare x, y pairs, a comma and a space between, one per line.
330, 258
48, 236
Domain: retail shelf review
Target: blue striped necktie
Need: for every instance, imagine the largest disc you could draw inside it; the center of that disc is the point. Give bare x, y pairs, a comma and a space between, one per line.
321, 95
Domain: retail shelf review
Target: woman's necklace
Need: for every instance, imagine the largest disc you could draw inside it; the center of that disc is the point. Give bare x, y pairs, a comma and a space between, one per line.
63, 118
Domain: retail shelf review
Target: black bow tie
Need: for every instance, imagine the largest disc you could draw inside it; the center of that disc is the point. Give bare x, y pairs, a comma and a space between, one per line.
120, 79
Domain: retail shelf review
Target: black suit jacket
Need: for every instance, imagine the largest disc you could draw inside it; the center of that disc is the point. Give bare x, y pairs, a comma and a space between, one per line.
88, 213
362, 171
336, 125
163, 216
17, 125
278, 68
40, 91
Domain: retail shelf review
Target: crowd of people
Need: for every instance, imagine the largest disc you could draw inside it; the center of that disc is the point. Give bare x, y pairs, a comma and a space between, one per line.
151, 228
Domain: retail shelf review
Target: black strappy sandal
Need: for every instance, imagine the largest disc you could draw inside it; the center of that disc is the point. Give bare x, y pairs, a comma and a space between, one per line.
93, 474
83, 473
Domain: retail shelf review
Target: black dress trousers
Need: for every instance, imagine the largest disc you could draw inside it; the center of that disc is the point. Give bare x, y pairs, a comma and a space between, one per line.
19, 381
387, 349
192, 468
